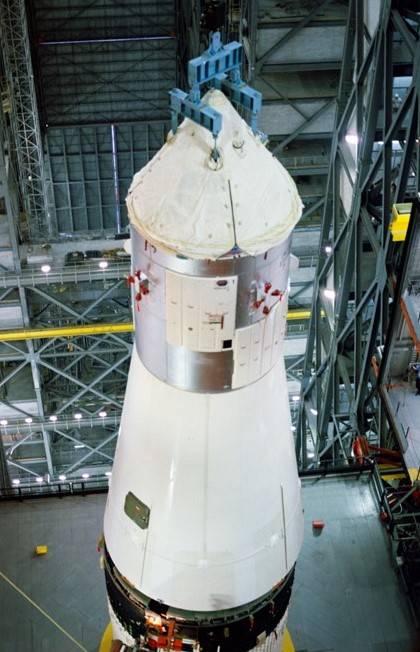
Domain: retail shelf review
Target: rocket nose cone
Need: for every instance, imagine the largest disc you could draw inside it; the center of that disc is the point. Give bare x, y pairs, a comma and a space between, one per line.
181, 203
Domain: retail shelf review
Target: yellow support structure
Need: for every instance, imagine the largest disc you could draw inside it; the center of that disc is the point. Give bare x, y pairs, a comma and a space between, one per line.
97, 329
296, 315
64, 331
400, 221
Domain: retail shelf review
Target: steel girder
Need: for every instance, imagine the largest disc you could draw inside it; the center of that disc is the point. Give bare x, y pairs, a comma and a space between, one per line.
352, 290
289, 115
24, 116
59, 377
285, 38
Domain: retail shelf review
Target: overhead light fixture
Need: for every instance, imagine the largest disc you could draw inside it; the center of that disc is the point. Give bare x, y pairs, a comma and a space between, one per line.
329, 294
310, 456
28, 420
79, 445
85, 476
103, 264
16, 482
46, 268
351, 139
102, 414
108, 474
293, 428
62, 477
78, 416
328, 249
39, 480
3, 422
314, 412
53, 418
295, 398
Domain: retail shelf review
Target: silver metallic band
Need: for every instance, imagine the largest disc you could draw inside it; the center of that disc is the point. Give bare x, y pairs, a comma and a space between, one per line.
195, 370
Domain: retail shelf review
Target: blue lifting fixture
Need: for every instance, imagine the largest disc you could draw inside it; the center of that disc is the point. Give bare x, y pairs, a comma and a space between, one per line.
219, 67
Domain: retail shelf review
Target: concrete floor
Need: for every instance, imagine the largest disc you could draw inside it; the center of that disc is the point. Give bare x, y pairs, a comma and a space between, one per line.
407, 407
346, 595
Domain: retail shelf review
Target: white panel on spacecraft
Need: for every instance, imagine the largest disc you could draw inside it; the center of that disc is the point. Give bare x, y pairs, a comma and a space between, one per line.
204, 522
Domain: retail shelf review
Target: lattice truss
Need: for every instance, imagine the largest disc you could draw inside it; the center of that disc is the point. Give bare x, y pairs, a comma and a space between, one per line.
374, 165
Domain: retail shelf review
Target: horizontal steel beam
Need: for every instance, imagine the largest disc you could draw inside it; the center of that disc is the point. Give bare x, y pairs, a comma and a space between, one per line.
96, 41
62, 423
97, 329
64, 331
33, 277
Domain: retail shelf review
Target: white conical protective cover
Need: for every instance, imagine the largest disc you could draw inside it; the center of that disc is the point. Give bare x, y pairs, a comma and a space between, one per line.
181, 203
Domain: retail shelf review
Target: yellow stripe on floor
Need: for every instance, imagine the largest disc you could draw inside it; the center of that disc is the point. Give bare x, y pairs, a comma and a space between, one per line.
42, 611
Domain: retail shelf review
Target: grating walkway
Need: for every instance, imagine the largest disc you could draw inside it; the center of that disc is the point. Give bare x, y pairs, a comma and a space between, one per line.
346, 595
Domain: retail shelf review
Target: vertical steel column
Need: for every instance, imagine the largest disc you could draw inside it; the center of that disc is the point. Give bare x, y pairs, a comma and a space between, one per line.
15, 47
11, 204
188, 17
349, 320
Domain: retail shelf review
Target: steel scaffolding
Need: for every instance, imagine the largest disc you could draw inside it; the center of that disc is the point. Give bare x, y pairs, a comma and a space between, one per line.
374, 164
16, 52
62, 378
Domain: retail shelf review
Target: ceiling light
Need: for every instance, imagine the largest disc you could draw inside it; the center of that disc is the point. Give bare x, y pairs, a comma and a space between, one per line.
293, 428
79, 445
53, 417
16, 482
108, 474
61, 477
3, 422
46, 268
102, 414
310, 456
28, 420
39, 479
329, 294
352, 139
328, 249
103, 264
295, 398
313, 411
85, 476
78, 416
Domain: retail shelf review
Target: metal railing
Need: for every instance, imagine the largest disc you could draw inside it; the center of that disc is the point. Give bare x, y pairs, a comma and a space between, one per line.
57, 490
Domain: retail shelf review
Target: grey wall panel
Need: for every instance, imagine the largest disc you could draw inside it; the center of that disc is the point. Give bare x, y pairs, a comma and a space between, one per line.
306, 45
282, 119
83, 170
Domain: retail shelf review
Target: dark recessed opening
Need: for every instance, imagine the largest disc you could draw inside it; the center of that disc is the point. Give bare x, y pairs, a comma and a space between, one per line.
227, 344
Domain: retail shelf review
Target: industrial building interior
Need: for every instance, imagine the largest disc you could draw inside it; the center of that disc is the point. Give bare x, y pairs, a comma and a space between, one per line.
85, 105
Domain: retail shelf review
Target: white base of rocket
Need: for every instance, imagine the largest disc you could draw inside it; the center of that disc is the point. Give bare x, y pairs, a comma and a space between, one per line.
218, 472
